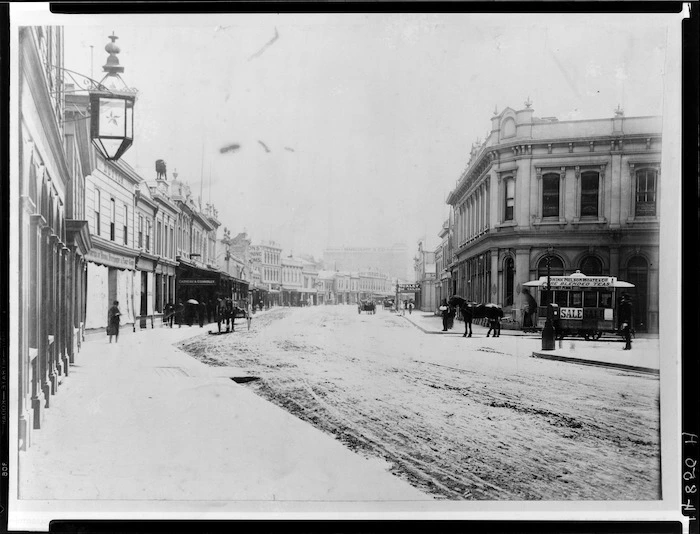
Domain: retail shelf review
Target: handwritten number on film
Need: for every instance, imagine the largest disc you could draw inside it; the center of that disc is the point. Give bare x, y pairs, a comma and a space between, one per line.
690, 488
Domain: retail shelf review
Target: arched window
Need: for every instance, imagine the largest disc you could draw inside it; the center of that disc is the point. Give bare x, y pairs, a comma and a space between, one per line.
509, 274
508, 127
556, 267
591, 266
509, 212
550, 195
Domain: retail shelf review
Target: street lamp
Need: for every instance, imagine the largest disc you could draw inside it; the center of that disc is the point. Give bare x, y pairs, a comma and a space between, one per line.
112, 109
548, 330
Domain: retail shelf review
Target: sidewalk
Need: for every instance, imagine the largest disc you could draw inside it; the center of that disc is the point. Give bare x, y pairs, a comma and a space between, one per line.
606, 352
142, 420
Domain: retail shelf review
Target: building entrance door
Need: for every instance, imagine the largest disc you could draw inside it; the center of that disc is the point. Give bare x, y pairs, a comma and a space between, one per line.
143, 308
638, 274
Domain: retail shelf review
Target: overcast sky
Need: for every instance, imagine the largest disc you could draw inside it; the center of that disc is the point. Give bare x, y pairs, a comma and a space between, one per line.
368, 119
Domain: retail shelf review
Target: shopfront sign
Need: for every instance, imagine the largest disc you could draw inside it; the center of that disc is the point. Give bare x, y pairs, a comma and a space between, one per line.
110, 259
197, 282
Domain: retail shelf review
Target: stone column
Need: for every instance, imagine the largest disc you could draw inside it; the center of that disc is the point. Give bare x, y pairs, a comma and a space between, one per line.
522, 275
44, 315
53, 313
493, 280
37, 341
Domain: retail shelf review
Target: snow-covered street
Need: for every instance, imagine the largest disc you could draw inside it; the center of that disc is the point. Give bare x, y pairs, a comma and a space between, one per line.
458, 418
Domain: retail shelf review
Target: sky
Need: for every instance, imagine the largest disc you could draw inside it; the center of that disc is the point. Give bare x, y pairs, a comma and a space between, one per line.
367, 120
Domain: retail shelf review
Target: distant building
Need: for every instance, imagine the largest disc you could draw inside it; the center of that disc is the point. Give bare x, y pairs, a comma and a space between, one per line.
424, 266
267, 258
394, 260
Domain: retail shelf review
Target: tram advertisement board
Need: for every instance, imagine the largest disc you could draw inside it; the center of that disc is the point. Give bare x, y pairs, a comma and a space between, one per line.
589, 281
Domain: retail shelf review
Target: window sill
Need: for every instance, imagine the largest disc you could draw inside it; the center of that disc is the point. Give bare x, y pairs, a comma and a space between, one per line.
590, 221
550, 222
642, 220
506, 224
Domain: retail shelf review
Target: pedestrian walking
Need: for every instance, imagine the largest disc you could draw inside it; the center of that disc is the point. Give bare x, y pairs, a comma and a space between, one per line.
445, 313
169, 314
113, 318
202, 313
529, 312
410, 308
180, 313
626, 320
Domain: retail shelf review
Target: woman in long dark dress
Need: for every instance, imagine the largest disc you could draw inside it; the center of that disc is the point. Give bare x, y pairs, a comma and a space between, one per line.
113, 316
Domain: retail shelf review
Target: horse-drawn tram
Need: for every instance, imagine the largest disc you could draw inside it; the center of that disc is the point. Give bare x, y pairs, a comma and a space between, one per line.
586, 306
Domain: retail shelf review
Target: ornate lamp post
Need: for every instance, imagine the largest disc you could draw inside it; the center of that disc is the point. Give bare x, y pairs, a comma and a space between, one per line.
548, 330
112, 109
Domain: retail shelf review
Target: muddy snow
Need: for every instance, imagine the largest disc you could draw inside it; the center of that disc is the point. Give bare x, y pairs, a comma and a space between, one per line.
457, 418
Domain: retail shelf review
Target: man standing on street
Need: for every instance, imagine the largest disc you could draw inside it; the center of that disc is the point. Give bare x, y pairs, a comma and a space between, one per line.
626, 320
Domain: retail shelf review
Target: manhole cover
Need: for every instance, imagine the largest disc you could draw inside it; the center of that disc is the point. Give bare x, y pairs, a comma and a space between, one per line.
244, 379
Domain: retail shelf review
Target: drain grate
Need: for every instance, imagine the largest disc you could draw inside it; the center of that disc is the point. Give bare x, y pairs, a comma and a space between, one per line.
170, 371
244, 379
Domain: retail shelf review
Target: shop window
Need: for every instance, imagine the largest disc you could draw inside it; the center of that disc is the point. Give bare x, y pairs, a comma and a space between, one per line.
550, 195
645, 193
509, 199
589, 194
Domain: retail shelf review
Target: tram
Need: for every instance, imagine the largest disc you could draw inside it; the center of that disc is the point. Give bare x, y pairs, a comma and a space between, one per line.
587, 305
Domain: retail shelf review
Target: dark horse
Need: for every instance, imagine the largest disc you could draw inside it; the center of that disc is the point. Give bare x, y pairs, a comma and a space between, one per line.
472, 310
227, 313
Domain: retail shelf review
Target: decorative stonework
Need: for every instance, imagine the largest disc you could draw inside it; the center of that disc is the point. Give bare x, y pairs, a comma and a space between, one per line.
562, 173
577, 171
549, 148
571, 147
591, 146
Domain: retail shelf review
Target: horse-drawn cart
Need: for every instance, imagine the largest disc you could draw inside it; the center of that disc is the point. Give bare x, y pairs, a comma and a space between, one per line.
367, 306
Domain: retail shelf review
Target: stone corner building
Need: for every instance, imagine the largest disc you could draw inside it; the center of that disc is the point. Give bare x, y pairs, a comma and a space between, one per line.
587, 191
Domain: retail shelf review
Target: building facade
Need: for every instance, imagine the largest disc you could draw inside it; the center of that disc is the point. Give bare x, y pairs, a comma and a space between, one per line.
581, 195
443, 259
52, 239
424, 268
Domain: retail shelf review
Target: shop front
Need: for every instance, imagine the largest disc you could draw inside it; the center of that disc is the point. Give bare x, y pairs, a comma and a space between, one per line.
111, 274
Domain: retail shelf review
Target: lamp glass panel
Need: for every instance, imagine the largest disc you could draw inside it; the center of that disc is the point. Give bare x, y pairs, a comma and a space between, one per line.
129, 119
109, 147
112, 117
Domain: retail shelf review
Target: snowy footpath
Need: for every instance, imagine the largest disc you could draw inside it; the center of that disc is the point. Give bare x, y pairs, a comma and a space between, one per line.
142, 420
606, 352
